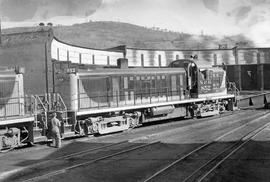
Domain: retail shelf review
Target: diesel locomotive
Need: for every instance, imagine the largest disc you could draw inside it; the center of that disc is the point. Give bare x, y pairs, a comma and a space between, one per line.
108, 99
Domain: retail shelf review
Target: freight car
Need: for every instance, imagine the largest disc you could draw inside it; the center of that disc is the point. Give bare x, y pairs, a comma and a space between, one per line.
104, 100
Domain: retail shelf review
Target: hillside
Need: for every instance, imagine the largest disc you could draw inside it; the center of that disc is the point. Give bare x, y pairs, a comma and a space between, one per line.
110, 34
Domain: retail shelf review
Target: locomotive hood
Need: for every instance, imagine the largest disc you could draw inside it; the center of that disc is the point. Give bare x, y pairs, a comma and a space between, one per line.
184, 63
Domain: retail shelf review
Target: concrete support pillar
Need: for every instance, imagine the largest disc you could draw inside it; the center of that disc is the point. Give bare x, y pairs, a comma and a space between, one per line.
159, 60
80, 58
58, 55
215, 59
108, 60
237, 76
142, 60
235, 53
260, 73
93, 59
67, 55
260, 77
237, 69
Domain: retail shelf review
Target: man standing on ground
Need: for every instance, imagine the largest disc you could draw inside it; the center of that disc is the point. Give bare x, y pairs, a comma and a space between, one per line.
54, 128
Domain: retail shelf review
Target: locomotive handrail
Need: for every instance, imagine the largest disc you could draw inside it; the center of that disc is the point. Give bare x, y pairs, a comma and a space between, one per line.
44, 119
49, 102
15, 106
62, 101
43, 106
64, 107
5, 114
232, 87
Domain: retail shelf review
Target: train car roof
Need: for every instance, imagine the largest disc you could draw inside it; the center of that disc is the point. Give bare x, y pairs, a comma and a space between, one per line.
200, 64
211, 68
133, 71
183, 62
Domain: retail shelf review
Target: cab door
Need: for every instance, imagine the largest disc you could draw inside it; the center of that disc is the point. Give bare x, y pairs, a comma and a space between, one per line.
192, 80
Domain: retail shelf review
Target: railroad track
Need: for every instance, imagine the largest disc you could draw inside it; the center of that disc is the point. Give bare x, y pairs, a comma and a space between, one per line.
128, 147
146, 128
88, 162
23, 148
190, 160
223, 156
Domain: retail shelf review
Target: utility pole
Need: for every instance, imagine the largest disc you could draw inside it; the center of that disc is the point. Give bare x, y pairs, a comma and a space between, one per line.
237, 69
0, 31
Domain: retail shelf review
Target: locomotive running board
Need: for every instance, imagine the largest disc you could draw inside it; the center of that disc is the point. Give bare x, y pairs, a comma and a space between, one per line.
16, 120
113, 109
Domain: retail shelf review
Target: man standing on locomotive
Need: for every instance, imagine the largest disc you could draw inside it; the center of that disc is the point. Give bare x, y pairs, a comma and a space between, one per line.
54, 130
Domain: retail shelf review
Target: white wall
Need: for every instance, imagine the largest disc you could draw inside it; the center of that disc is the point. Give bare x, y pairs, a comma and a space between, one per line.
63, 52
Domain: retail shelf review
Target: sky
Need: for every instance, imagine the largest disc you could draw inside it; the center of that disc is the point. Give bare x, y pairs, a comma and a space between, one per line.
212, 17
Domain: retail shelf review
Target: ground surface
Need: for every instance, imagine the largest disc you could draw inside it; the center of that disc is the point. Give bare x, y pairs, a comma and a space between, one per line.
175, 139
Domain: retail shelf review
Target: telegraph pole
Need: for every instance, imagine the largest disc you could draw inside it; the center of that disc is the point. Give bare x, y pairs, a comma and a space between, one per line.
0, 31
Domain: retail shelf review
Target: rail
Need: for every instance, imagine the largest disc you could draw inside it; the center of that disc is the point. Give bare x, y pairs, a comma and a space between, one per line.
84, 163
244, 140
231, 150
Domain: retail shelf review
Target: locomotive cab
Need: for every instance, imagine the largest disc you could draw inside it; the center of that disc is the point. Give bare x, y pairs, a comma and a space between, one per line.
192, 75
207, 83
